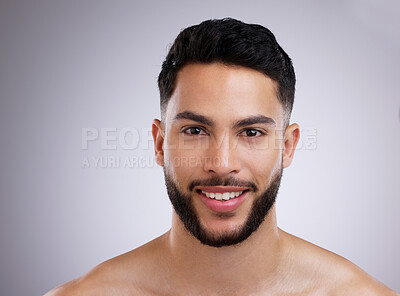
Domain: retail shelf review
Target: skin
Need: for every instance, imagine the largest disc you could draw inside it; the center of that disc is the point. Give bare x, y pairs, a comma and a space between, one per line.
270, 261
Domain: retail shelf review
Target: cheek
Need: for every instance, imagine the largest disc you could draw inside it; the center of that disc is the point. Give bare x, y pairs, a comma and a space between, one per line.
184, 152
262, 164
183, 159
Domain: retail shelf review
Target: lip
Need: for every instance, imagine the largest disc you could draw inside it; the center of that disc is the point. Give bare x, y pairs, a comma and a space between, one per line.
222, 206
221, 189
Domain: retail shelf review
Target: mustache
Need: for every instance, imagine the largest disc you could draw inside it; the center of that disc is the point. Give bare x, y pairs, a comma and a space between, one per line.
218, 181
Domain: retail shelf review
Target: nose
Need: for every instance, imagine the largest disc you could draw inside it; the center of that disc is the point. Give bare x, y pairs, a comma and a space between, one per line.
222, 157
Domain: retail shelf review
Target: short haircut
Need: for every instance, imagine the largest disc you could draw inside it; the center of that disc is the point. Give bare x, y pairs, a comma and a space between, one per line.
233, 43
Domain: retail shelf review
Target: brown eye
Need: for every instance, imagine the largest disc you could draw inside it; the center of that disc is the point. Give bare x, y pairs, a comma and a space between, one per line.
251, 133
194, 131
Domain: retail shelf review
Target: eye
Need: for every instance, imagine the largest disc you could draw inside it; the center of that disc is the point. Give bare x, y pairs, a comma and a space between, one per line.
251, 133
192, 131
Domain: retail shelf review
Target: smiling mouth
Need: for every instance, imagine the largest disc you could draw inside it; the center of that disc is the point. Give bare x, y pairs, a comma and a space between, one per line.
222, 196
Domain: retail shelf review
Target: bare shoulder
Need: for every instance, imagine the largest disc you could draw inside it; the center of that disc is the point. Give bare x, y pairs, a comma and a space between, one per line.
122, 275
362, 284
332, 274
65, 289
104, 279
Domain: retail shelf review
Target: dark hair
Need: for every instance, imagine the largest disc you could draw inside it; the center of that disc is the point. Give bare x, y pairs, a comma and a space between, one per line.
230, 42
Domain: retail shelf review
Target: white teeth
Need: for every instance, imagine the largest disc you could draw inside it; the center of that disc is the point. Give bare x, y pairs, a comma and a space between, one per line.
222, 196
225, 196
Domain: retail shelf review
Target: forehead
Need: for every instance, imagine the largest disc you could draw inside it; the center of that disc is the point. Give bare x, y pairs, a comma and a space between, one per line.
225, 93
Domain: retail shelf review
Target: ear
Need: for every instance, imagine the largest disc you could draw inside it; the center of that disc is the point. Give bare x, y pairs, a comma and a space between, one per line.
157, 130
292, 136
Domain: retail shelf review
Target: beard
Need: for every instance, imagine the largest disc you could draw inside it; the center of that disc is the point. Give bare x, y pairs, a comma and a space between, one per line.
183, 206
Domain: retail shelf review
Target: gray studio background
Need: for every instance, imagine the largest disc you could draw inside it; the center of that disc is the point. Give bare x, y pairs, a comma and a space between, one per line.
68, 67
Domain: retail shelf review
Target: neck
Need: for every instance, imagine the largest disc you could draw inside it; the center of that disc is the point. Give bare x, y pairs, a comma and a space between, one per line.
252, 263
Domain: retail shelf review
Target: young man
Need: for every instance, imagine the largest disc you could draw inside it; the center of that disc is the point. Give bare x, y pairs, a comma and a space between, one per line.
227, 91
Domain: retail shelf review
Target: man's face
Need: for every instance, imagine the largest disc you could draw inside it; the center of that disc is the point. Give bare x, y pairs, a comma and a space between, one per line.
222, 144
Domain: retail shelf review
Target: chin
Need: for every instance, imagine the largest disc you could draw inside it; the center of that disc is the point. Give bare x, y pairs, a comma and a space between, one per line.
222, 227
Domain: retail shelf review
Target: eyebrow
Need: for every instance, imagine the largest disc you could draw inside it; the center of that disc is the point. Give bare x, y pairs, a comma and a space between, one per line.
194, 117
256, 119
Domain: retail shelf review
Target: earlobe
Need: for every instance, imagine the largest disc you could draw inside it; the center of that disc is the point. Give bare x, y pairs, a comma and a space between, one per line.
292, 136
158, 137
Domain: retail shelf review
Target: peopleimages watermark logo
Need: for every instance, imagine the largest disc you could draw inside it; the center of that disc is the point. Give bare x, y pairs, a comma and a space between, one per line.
130, 147
114, 138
